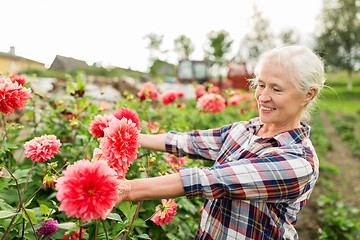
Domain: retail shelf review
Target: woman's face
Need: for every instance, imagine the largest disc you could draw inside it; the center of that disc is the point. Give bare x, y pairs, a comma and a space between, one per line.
279, 102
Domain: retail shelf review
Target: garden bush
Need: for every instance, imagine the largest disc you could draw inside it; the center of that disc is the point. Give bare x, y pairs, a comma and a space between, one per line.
49, 143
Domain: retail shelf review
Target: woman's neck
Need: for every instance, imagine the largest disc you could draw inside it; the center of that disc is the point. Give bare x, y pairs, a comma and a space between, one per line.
270, 130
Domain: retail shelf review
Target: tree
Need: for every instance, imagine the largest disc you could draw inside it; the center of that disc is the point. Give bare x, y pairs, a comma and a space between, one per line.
155, 42
258, 40
184, 46
289, 36
219, 46
338, 40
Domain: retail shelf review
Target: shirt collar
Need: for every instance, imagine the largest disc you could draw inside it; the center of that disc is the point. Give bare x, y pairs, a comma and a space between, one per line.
285, 138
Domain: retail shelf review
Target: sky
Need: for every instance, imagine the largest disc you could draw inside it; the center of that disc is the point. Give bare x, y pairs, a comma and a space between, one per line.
112, 32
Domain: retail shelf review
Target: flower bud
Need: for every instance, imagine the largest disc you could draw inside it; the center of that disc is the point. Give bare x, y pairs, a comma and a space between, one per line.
74, 124
49, 180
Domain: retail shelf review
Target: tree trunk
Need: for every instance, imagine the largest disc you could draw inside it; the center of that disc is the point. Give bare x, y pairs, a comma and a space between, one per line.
349, 83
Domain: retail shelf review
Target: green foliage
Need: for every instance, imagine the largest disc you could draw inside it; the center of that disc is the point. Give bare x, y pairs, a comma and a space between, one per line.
259, 39
219, 47
184, 46
337, 41
162, 68
68, 118
338, 219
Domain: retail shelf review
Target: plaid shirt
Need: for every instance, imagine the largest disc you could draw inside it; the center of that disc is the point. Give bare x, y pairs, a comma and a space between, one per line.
255, 189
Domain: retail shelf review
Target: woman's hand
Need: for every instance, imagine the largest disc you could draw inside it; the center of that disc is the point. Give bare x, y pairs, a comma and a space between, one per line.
123, 192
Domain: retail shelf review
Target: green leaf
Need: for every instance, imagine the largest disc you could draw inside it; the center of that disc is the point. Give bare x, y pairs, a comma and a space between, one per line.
44, 209
4, 183
28, 203
125, 208
4, 205
6, 213
143, 236
115, 216
138, 222
68, 226
31, 215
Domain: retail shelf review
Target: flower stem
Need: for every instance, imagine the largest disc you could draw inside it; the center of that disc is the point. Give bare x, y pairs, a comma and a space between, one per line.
96, 228
20, 205
103, 223
5, 130
134, 218
195, 120
124, 230
80, 231
34, 194
27, 179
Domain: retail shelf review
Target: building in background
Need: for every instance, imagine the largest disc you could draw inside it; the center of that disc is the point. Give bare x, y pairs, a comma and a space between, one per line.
10, 63
67, 63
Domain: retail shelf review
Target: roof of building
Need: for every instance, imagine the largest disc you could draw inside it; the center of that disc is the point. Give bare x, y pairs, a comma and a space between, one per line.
11, 55
67, 63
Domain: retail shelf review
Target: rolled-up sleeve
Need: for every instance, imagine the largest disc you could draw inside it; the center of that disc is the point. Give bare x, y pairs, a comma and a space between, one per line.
272, 176
200, 144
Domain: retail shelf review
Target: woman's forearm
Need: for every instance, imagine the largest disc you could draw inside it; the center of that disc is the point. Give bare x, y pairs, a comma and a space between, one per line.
168, 186
153, 142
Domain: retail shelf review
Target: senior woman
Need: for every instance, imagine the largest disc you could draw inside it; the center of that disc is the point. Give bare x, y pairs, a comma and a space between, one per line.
264, 169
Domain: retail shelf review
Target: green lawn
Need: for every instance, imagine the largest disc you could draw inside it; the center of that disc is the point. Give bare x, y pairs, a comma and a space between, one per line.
335, 96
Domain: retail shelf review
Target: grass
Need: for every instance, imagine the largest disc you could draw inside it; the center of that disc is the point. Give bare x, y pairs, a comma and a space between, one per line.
335, 96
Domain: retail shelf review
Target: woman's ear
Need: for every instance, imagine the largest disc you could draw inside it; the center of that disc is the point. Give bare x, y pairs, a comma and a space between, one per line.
310, 95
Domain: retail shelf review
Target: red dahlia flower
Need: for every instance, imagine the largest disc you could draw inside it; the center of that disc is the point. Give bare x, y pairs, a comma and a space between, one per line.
12, 95
173, 160
211, 103
164, 212
99, 124
41, 149
200, 90
120, 144
87, 190
128, 114
148, 90
16, 78
169, 97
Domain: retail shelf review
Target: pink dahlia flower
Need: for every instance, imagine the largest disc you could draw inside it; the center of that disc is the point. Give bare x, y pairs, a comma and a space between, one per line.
169, 97
128, 114
120, 170
41, 149
173, 160
235, 100
99, 124
19, 79
180, 93
148, 90
12, 95
214, 89
211, 103
200, 90
165, 212
75, 235
120, 144
104, 106
87, 190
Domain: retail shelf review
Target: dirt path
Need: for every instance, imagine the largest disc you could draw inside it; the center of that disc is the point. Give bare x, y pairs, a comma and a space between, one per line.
346, 182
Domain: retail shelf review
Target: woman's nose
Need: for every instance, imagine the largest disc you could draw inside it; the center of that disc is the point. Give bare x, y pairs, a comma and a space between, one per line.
264, 96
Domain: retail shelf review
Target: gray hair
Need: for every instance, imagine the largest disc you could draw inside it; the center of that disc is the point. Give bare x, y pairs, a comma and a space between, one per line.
305, 69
